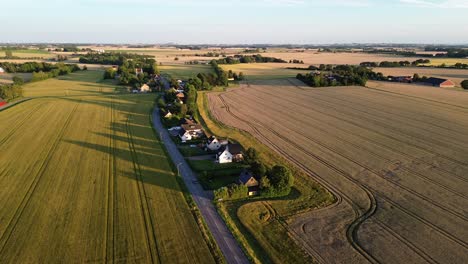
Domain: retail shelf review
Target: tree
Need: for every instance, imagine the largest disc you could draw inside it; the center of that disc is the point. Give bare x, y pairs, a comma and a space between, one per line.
258, 169
251, 156
281, 179
464, 84
241, 76
18, 80
109, 73
85, 68
416, 77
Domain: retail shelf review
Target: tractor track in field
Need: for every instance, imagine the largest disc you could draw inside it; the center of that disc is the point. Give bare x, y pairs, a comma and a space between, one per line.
11, 226
390, 137
444, 233
383, 125
416, 97
359, 217
382, 195
151, 240
411, 171
21, 123
110, 253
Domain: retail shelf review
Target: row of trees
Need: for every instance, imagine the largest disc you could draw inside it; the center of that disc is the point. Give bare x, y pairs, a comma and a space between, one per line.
249, 59
341, 75
115, 58
29, 67
274, 182
57, 70
10, 91
395, 63
464, 84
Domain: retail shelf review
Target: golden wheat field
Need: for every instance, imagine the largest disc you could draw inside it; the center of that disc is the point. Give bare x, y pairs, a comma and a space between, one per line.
395, 158
84, 179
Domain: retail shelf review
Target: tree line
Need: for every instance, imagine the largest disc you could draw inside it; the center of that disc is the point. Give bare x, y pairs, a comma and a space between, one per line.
340, 75
40, 71
114, 58
236, 59
390, 64
127, 72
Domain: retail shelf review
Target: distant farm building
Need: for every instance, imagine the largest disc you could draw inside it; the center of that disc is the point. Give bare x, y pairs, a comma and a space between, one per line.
439, 82
138, 71
2, 70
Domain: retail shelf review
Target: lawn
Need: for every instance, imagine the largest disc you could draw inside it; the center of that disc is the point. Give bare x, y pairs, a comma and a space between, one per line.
264, 241
210, 165
85, 179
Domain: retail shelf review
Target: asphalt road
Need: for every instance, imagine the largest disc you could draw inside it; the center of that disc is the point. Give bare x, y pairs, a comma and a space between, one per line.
226, 242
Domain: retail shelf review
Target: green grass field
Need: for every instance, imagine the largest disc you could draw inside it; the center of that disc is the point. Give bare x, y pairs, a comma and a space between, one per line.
265, 71
181, 71
85, 179
266, 241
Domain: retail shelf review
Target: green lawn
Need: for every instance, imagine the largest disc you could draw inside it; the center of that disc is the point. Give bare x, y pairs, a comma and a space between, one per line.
182, 71
210, 165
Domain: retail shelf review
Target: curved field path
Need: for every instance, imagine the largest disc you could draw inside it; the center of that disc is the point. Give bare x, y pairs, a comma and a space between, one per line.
396, 158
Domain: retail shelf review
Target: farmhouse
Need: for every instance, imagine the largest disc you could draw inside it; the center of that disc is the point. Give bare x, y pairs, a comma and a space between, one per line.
213, 143
145, 88
247, 179
439, 82
2, 70
229, 153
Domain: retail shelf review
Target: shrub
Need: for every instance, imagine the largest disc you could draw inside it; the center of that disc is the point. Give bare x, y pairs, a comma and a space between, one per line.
18, 80
464, 84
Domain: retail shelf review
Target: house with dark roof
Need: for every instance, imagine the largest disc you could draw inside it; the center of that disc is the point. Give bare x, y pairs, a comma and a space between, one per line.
230, 153
247, 179
439, 82
188, 132
214, 143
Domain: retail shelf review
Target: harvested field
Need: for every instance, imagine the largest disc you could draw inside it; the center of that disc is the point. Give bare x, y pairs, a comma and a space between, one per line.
456, 75
396, 158
84, 179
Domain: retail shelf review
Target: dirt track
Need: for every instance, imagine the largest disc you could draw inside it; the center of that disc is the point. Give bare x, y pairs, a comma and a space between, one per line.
397, 159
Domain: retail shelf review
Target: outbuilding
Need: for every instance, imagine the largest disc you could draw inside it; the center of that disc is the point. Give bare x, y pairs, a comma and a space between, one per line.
2, 70
247, 179
439, 82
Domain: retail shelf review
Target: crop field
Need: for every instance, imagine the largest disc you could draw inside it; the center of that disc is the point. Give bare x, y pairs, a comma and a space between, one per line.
179, 71
456, 75
395, 158
85, 179
27, 53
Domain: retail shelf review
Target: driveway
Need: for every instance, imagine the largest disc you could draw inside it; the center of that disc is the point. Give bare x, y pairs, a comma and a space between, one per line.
226, 242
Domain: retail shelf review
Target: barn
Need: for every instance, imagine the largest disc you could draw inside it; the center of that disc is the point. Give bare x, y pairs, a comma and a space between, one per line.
439, 82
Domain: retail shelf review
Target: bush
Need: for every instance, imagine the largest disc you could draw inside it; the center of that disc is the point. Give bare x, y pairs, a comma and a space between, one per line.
232, 192
464, 84
18, 80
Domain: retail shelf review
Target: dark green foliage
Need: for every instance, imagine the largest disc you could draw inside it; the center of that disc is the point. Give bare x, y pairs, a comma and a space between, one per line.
54, 71
231, 192
18, 80
464, 84
10, 91
248, 59
251, 156
341, 75
29, 67
281, 180
109, 73
115, 58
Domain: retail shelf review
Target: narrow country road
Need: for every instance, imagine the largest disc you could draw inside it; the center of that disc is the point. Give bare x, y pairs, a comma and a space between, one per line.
226, 242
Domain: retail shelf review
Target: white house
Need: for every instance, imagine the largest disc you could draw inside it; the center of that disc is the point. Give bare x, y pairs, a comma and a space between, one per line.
145, 88
214, 143
168, 114
2, 70
190, 131
185, 135
229, 153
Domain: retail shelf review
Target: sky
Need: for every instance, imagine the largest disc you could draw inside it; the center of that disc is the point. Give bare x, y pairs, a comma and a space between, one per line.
234, 22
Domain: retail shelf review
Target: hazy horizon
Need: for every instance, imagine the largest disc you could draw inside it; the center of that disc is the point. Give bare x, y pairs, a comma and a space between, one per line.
244, 22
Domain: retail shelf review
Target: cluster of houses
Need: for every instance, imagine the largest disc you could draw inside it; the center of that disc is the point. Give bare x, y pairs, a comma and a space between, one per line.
225, 151
432, 81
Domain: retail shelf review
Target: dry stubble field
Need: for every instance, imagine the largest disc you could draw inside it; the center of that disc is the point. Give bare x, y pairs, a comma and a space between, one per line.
84, 179
396, 159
